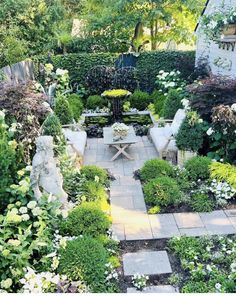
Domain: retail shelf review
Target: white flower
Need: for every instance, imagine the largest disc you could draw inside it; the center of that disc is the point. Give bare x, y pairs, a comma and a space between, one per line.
23, 210
233, 266
32, 204
61, 72
217, 286
210, 131
233, 107
36, 211
25, 217
2, 115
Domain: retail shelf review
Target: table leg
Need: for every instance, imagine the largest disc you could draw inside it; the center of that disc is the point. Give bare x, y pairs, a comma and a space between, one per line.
121, 150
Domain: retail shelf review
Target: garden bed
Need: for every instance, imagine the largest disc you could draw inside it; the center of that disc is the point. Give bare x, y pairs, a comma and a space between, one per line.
94, 122
195, 263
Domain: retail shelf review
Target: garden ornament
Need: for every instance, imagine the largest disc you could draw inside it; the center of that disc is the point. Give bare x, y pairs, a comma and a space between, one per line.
45, 174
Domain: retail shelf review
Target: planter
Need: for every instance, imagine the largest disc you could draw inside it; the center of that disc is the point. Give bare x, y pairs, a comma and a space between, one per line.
230, 30
183, 156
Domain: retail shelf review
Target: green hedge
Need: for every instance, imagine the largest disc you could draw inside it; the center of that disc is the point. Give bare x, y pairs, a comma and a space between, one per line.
148, 64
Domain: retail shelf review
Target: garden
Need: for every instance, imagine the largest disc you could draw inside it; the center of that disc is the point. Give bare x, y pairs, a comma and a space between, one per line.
115, 152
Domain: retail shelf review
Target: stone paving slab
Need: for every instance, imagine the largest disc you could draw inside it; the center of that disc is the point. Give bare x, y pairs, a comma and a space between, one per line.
163, 226
217, 223
146, 262
194, 231
118, 231
230, 213
138, 231
154, 289
188, 220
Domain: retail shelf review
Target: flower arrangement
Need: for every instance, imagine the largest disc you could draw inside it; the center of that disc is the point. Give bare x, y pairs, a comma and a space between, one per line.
120, 129
169, 80
213, 24
116, 93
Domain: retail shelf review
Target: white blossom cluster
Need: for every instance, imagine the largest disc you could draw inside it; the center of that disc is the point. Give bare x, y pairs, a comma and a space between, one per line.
120, 127
110, 272
168, 79
140, 281
222, 190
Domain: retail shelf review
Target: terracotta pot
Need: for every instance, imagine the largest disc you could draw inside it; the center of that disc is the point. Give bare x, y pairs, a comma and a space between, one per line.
183, 156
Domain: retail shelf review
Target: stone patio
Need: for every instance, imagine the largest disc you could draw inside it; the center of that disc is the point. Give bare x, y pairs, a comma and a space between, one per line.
128, 209
155, 289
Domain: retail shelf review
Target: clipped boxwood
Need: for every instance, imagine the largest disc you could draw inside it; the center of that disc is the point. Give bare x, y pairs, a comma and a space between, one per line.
84, 259
162, 191
76, 105
92, 191
154, 168
140, 100
198, 167
173, 103
85, 219
95, 101
90, 172
63, 111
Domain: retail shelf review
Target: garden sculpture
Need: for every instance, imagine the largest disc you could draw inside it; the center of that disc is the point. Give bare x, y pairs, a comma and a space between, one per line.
45, 174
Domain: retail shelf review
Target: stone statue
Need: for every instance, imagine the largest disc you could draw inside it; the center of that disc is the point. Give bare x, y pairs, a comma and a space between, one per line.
45, 174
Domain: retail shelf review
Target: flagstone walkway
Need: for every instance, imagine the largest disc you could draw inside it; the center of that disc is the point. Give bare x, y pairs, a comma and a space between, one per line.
128, 209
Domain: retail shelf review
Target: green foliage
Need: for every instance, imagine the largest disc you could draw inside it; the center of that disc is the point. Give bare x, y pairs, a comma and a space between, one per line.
95, 101
200, 202
173, 103
116, 93
76, 105
191, 133
85, 259
148, 65
162, 191
140, 100
154, 210
85, 219
52, 127
91, 172
8, 162
92, 191
154, 168
204, 268
63, 110
223, 172
198, 167
159, 101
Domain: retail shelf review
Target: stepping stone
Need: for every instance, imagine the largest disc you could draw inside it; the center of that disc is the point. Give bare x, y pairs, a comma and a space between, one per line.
217, 223
118, 231
188, 220
154, 289
230, 213
146, 262
163, 226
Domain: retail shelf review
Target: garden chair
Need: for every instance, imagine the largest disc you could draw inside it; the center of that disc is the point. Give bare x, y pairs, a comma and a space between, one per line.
163, 137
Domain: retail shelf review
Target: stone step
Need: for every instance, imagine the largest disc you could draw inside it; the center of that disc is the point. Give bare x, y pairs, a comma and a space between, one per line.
146, 262
155, 289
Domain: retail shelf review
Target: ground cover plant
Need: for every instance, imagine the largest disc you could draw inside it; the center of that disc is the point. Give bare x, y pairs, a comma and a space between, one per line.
207, 264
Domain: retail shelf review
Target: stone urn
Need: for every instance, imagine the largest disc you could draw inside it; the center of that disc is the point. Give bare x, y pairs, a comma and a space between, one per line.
230, 30
116, 96
183, 156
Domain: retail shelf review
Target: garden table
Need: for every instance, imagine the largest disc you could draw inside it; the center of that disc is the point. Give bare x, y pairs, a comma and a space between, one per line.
122, 144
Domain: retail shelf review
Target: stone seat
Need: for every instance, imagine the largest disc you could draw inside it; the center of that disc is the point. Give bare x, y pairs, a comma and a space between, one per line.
77, 140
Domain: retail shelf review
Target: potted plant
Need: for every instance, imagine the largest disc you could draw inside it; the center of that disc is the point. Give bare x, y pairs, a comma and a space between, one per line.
189, 138
120, 130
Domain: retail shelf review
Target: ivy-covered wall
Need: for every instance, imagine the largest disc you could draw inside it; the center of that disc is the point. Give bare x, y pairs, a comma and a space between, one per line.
148, 64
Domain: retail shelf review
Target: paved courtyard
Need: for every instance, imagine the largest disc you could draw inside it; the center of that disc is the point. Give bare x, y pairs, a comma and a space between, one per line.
128, 209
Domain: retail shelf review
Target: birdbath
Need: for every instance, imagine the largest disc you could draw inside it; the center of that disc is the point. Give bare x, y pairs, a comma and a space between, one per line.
116, 96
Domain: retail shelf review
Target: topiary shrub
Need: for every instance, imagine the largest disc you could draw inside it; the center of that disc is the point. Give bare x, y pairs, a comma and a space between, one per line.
159, 101
84, 259
95, 101
191, 133
63, 110
92, 191
52, 127
140, 100
198, 167
154, 168
90, 172
173, 103
162, 191
85, 219
76, 105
